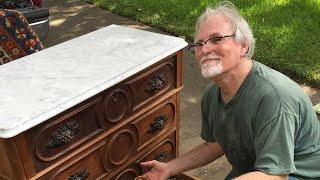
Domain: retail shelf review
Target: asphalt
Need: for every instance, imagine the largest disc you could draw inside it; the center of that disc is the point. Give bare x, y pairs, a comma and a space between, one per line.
72, 18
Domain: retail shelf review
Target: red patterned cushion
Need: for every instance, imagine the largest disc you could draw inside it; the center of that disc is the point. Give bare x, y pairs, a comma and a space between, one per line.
17, 38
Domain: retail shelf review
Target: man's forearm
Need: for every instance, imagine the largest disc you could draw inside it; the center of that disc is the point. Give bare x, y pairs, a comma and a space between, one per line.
201, 155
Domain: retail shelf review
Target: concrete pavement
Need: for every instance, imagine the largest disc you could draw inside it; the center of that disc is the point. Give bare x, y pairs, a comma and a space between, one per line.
73, 18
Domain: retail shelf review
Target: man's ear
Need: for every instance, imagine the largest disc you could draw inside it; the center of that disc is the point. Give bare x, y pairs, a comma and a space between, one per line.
244, 49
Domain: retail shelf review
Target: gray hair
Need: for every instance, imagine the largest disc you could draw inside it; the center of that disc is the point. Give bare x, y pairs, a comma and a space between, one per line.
242, 30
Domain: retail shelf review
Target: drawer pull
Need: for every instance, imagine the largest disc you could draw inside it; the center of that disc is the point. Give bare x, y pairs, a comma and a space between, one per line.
81, 175
63, 134
156, 83
161, 157
158, 123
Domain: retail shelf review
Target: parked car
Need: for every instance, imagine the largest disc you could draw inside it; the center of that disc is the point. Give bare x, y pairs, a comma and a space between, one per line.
36, 15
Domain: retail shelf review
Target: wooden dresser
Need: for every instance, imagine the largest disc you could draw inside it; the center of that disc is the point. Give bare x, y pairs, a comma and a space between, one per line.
92, 107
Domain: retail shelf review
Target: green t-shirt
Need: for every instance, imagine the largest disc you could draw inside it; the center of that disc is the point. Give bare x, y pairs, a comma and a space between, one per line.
269, 126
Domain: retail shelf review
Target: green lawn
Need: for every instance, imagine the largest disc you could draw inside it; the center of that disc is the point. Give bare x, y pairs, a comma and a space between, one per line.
287, 31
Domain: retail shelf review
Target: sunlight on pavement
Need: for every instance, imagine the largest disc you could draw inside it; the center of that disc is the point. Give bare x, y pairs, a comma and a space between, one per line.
192, 100
139, 26
57, 22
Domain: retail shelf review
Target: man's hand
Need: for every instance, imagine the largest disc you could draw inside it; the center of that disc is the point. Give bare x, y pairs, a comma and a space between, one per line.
201, 155
155, 170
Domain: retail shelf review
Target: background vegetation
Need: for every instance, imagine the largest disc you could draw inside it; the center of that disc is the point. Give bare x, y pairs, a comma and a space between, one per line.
287, 31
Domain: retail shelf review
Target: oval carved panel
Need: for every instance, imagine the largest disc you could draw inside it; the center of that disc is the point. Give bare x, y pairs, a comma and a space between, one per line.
129, 173
115, 105
120, 147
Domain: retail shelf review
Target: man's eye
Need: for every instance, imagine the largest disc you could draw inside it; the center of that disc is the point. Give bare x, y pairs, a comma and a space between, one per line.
215, 40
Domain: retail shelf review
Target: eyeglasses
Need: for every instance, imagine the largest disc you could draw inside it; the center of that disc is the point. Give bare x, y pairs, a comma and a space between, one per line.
209, 43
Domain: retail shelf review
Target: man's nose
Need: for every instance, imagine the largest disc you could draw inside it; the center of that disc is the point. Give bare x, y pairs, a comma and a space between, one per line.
206, 49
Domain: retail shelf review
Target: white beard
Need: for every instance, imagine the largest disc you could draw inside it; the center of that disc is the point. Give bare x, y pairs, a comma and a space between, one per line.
210, 69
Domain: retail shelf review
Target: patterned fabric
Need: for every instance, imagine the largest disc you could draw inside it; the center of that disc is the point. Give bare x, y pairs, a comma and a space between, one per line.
17, 38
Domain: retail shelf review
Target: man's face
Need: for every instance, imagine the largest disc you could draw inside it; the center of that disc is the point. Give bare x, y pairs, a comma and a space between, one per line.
222, 56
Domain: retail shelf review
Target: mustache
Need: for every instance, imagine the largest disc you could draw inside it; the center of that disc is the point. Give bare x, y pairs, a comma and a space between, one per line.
209, 57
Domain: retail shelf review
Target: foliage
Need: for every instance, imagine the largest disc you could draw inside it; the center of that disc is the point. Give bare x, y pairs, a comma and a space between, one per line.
287, 32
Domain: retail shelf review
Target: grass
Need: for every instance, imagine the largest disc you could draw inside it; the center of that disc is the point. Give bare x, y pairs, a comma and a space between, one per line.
287, 31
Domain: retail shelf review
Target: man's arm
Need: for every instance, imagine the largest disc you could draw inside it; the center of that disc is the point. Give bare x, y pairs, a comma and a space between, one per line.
201, 155
260, 175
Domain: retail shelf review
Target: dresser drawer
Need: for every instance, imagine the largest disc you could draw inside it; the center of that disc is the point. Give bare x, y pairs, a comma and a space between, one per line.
49, 142
90, 164
133, 94
133, 137
164, 152
129, 173
156, 122
86, 165
154, 82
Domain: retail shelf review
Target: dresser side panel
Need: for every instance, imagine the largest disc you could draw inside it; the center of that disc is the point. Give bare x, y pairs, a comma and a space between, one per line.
10, 166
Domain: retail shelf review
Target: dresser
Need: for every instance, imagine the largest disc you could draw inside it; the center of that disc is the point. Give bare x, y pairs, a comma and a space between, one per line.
92, 107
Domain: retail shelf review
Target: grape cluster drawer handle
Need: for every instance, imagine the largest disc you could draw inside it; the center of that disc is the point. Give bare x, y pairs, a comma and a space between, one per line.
63, 135
161, 157
156, 83
158, 123
81, 175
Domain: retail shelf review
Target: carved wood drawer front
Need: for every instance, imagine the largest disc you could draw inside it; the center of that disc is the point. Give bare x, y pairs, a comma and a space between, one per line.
151, 84
164, 152
130, 96
56, 139
132, 171
85, 166
116, 105
156, 122
120, 147
100, 159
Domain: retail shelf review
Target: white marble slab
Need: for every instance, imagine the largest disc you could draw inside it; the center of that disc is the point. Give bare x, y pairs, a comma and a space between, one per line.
39, 86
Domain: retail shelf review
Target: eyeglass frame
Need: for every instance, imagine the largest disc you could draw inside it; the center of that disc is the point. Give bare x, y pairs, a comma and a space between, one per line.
216, 40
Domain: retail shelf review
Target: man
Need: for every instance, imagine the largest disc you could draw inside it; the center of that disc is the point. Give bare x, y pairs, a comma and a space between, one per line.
259, 118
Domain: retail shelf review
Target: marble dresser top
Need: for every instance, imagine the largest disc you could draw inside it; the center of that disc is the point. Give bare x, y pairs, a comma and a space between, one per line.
39, 86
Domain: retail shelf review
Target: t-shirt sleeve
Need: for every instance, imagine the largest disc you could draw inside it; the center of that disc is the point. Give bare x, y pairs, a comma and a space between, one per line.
207, 130
274, 130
